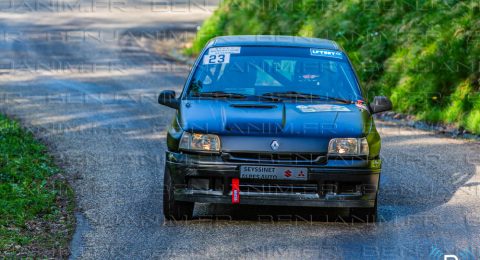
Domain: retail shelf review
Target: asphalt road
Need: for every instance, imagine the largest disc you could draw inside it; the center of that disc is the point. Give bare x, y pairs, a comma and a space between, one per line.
86, 81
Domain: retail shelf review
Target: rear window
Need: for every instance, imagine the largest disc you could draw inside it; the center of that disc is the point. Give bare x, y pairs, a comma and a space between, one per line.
260, 70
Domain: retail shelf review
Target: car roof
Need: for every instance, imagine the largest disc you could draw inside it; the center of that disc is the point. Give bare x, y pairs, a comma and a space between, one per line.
272, 40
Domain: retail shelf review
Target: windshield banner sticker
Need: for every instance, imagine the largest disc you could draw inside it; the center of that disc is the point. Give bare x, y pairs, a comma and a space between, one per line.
322, 108
216, 58
224, 50
326, 53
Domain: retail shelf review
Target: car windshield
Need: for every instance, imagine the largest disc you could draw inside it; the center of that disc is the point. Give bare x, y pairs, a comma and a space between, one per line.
283, 72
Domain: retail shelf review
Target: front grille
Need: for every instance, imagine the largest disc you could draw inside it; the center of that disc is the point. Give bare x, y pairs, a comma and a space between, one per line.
289, 158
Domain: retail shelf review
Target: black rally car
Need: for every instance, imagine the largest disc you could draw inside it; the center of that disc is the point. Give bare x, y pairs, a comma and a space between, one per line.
272, 120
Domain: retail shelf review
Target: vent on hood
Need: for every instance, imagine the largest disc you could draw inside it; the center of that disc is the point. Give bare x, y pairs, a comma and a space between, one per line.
253, 106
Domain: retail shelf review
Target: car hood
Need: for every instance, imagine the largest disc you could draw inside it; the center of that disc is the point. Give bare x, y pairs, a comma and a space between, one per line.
249, 126
252, 118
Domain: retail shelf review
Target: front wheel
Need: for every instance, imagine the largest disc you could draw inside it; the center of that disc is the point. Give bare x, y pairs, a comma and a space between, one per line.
172, 209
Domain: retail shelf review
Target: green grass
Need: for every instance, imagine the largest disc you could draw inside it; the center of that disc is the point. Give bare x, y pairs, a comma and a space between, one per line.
36, 202
424, 55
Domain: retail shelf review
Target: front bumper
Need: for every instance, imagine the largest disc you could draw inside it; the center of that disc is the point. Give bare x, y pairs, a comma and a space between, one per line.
337, 183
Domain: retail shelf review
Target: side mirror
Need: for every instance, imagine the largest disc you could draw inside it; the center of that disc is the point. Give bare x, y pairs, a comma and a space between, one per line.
380, 104
167, 98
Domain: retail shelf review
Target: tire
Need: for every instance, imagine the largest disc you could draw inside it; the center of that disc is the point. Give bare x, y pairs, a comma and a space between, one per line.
368, 215
173, 209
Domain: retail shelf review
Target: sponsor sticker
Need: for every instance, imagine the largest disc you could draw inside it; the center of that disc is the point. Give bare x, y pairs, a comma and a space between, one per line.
224, 50
322, 108
326, 53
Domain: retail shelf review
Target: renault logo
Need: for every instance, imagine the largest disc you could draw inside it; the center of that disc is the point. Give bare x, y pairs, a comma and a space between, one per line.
274, 145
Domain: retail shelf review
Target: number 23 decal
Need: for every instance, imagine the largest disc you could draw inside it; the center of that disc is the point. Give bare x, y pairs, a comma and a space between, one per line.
216, 58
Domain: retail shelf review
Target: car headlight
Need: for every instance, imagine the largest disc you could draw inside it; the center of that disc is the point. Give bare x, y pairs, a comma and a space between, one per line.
348, 146
200, 142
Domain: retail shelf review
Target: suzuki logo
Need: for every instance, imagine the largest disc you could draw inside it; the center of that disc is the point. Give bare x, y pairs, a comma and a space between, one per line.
274, 145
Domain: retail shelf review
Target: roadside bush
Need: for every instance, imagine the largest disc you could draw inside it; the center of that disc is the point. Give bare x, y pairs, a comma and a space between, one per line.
424, 55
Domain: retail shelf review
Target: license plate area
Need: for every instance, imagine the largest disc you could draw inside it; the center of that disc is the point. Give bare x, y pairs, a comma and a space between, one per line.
273, 173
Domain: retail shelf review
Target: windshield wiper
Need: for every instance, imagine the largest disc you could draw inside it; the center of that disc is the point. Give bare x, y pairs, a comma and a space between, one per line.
219, 94
299, 95
270, 98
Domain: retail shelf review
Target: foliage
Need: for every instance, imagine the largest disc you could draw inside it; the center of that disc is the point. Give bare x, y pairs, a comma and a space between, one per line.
36, 206
424, 55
